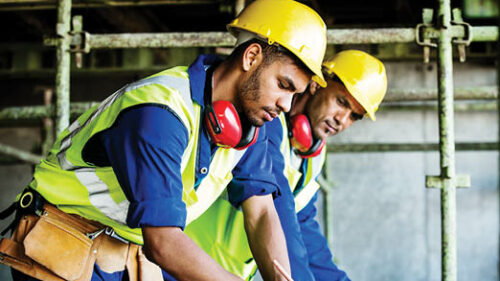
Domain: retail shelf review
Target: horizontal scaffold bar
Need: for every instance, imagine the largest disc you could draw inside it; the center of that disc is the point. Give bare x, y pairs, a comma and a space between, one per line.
405, 147
41, 111
393, 95
428, 94
224, 39
19, 154
22, 5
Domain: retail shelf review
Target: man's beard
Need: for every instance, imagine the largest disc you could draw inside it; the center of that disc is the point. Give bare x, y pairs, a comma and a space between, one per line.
250, 91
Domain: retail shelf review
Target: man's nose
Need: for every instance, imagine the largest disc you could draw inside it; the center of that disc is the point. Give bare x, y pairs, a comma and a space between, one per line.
285, 102
342, 117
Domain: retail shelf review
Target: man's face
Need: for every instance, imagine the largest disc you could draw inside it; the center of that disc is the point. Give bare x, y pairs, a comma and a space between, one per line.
269, 89
332, 110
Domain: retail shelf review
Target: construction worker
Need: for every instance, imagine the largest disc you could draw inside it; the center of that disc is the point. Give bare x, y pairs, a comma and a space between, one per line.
122, 181
357, 83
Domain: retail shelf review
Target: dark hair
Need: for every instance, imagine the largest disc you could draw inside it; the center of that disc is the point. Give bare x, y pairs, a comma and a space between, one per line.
332, 76
270, 53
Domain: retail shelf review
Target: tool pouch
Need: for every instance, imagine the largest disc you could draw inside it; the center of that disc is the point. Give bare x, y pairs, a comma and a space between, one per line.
59, 247
51, 246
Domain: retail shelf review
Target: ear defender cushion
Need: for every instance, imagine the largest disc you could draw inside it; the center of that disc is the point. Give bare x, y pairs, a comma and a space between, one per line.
249, 138
300, 133
301, 137
315, 150
223, 123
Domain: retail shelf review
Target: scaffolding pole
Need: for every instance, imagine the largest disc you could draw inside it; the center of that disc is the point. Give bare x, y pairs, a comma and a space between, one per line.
406, 147
63, 65
393, 100
447, 144
498, 124
19, 154
89, 41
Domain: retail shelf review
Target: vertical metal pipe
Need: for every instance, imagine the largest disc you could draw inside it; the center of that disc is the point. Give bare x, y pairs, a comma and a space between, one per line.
498, 123
63, 65
238, 6
447, 144
48, 124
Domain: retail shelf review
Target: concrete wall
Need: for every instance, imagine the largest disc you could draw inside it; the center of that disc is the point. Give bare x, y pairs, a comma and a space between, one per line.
386, 223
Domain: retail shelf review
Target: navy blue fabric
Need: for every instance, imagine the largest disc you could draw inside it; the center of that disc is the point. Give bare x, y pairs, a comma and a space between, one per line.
144, 147
201, 93
285, 206
253, 173
320, 257
97, 275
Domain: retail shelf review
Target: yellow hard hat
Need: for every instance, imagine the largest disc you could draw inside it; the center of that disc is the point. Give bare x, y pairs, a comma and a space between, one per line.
363, 75
292, 25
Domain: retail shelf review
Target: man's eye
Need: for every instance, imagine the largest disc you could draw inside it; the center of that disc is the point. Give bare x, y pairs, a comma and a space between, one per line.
356, 116
342, 102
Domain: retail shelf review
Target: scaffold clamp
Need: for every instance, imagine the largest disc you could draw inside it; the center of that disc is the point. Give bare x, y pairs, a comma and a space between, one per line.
79, 42
460, 181
420, 36
463, 41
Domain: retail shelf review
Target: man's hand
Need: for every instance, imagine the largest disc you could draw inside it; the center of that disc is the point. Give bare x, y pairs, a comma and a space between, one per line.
265, 236
177, 254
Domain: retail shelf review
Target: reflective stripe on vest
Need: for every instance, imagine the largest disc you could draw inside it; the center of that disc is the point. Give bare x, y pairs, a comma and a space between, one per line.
75, 186
303, 194
310, 186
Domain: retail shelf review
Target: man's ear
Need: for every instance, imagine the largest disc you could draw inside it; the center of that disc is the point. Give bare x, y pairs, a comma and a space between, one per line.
252, 57
313, 87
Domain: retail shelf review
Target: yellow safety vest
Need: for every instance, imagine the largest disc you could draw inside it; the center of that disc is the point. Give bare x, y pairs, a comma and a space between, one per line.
220, 230
77, 187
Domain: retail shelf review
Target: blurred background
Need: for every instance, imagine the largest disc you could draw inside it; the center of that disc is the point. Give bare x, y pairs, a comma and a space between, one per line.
382, 221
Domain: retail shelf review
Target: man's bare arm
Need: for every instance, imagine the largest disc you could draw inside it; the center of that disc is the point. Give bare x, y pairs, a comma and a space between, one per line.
177, 254
265, 236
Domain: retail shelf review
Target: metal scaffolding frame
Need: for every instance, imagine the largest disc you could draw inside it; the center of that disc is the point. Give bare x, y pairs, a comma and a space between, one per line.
441, 32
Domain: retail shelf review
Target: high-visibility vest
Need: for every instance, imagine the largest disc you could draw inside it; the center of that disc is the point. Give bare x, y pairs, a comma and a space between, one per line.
220, 230
77, 187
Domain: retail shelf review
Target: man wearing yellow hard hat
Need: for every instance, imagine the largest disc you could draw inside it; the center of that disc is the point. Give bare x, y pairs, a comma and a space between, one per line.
357, 83
125, 178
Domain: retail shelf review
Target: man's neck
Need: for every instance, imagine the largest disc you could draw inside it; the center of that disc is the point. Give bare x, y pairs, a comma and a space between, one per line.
224, 80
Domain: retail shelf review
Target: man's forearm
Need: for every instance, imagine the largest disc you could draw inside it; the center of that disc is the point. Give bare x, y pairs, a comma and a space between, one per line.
265, 236
177, 254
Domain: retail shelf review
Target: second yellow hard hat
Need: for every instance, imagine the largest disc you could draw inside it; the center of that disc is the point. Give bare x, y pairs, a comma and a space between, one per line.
363, 75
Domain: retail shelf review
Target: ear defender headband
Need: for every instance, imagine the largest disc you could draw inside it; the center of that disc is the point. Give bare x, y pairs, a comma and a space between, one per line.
225, 128
302, 139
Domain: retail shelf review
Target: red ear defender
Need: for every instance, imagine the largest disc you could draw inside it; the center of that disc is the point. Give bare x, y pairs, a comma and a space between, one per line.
224, 126
301, 137
301, 134
223, 123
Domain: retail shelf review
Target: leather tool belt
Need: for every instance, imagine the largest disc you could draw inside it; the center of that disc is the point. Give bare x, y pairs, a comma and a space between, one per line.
51, 245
